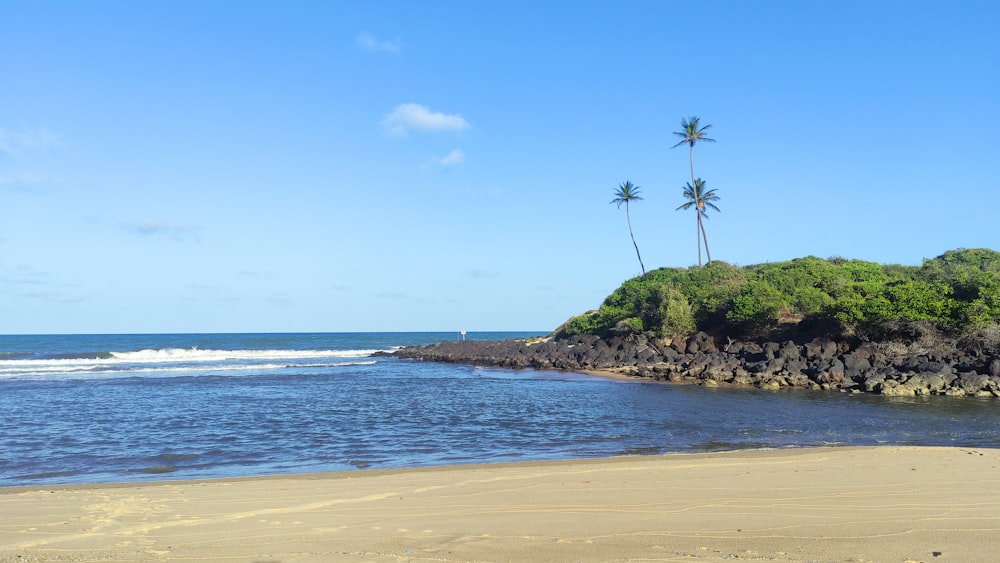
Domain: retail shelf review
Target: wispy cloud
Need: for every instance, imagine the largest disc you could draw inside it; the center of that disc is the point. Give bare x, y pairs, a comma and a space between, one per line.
368, 42
23, 274
214, 293
53, 296
484, 274
16, 142
151, 228
483, 192
415, 117
454, 158
254, 274
400, 296
278, 298
23, 182
31, 283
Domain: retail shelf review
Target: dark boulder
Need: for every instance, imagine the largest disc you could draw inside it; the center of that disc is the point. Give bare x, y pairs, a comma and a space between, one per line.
789, 351
934, 368
796, 366
855, 364
972, 383
993, 367
821, 348
770, 350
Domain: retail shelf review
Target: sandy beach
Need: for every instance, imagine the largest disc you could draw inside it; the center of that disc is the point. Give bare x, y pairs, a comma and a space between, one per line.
828, 504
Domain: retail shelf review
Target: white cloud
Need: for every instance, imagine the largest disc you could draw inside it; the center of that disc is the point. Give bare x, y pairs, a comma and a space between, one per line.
368, 42
415, 117
16, 142
454, 158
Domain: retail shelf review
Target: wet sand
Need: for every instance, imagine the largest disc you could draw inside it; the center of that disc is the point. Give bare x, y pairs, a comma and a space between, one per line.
826, 504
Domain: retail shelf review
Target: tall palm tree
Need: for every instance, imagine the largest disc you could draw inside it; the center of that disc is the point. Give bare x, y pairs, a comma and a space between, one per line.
690, 135
625, 193
701, 200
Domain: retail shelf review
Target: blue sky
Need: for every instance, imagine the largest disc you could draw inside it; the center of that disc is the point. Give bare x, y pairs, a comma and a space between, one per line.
173, 166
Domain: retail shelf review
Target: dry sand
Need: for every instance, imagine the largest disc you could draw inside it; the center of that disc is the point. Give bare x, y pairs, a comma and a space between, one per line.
828, 504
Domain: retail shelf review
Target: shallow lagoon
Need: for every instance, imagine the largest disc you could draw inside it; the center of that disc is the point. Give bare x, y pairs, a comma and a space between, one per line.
327, 406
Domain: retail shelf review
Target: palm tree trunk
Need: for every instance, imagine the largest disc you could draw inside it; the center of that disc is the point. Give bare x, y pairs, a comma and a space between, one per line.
697, 238
705, 236
629, 219
701, 226
691, 158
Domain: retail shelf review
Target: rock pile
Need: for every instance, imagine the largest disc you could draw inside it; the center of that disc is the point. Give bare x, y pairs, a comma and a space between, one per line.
883, 368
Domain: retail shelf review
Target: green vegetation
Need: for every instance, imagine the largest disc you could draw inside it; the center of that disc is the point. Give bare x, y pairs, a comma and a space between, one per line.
625, 193
957, 292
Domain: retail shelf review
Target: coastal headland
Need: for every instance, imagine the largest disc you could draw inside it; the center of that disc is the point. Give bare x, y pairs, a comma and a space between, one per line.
838, 324
827, 504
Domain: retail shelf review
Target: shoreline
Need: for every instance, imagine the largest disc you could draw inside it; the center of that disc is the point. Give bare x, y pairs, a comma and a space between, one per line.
824, 504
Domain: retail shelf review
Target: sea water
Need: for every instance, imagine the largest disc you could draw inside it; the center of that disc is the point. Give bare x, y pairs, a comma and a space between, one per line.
103, 408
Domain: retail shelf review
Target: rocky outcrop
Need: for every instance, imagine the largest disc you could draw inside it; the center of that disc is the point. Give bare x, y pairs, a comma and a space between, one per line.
822, 363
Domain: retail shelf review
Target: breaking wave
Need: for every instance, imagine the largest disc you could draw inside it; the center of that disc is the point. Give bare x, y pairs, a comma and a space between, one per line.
178, 361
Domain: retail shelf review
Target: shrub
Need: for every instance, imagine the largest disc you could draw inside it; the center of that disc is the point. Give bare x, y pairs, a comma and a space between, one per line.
634, 323
710, 291
676, 318
918, 300
758, 305
587, 323
957, 290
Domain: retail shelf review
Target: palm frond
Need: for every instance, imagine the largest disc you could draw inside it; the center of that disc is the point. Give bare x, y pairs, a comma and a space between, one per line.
691, 132
625, 193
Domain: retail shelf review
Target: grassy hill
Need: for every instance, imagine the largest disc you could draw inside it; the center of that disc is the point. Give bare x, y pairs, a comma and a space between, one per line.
956, 294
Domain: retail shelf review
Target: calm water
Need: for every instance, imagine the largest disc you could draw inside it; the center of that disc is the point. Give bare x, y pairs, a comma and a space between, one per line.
77, 409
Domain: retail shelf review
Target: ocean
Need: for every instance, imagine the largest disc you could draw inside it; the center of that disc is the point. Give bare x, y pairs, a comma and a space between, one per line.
127, 408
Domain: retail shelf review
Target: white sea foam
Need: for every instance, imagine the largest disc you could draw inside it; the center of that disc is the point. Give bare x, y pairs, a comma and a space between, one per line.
182, 360
189, 354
